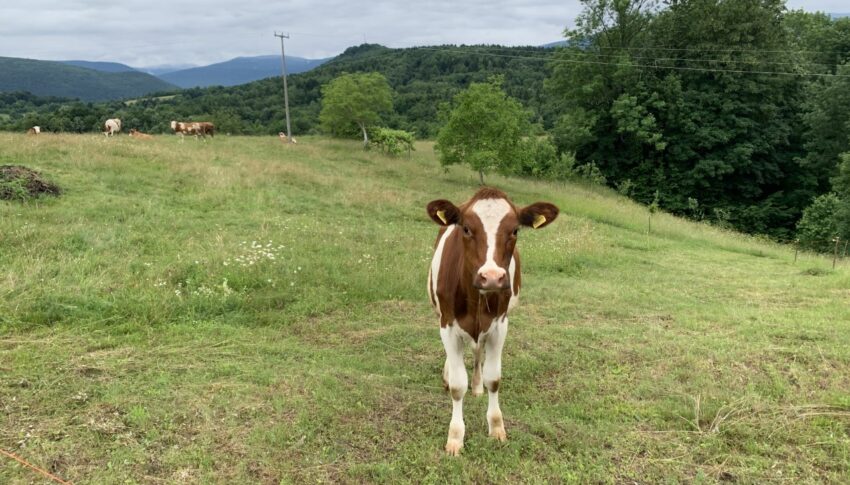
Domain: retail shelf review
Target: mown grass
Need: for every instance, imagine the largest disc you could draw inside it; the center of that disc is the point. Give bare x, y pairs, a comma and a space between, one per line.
238, 311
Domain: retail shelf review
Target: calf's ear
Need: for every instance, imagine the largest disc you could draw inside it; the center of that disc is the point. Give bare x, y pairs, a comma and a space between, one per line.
443, 212
538, 214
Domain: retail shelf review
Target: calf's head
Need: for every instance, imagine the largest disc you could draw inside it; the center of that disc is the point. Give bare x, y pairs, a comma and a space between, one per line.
489, 224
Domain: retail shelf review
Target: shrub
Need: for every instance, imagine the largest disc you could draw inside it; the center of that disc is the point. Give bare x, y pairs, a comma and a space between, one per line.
537, 158
817, 228
392, 142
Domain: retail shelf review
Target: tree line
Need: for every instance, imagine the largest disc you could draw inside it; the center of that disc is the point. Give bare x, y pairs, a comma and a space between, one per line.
421, 78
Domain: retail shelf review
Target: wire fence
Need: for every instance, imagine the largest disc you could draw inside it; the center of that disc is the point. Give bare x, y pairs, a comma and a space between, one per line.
839, 251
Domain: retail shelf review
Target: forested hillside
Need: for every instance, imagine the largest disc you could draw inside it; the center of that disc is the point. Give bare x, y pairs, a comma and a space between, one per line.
101, 66
421, 77
49, 78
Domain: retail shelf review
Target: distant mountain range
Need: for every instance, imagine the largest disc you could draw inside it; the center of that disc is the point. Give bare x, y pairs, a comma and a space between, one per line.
102, 81
240, 70
53, 78
165, 68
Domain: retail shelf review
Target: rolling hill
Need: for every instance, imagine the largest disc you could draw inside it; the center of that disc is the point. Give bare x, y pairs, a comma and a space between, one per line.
52, 78
236, 71
102, 66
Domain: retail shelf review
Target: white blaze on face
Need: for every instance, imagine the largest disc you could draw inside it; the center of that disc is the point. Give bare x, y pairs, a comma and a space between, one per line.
491, 212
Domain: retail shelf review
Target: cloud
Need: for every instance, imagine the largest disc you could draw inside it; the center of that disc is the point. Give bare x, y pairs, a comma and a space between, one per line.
154, 32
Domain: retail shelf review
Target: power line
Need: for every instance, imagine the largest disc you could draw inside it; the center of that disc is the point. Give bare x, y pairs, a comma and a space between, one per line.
579, 54
647, 66
285, 91
713, 50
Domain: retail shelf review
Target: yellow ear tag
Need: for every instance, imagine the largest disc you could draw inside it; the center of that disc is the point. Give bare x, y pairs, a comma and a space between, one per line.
539, 221
442, 216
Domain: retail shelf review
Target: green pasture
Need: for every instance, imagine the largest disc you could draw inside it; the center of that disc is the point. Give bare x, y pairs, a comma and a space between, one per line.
241, 311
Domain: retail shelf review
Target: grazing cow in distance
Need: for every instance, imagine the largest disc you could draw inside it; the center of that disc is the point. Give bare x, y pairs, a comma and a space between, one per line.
285, 139
205, 128
196, 128
138, 134
182, 129
112, 126
35, 130
473, 281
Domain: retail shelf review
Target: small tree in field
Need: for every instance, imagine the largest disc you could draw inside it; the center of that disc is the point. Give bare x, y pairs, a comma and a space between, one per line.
817, 228
841, 186
355, 99
485, 129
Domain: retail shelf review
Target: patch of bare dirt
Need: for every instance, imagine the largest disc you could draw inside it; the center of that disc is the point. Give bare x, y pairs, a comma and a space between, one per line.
17, 183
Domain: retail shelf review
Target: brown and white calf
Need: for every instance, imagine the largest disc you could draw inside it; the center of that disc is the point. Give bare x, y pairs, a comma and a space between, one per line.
473, 281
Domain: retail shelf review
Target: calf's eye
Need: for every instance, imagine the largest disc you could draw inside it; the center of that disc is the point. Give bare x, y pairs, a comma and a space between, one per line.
466, 231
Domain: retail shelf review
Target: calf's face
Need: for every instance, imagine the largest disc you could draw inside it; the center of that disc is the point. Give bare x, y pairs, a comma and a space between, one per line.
489, 228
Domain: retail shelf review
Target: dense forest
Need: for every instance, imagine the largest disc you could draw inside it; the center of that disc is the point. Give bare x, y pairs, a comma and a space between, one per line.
731, 111
735, 112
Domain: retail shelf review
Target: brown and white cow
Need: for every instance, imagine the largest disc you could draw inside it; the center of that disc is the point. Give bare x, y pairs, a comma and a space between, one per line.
111, 127
182, 128
473, 281
204, 128
196, 128
35, 130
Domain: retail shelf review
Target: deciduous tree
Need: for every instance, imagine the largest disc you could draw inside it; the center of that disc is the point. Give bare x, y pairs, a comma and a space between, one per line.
355, 100
485, 129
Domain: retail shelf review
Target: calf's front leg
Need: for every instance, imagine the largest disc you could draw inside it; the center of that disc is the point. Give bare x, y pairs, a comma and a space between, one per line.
455, 375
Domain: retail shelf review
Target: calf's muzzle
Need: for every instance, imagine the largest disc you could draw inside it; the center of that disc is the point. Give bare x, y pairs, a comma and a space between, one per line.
491, 279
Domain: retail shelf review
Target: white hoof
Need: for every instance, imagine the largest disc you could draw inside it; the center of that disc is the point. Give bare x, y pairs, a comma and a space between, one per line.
453, 447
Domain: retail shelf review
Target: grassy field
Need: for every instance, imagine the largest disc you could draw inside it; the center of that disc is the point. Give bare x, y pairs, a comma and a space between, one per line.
239, 311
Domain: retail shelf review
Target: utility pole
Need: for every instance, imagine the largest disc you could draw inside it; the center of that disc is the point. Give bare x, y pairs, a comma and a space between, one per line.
285, 91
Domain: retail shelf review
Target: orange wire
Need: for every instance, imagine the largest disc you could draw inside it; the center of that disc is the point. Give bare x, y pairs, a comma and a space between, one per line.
26, 463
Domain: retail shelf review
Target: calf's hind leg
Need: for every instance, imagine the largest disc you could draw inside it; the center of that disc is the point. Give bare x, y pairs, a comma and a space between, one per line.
477, 385
492, 378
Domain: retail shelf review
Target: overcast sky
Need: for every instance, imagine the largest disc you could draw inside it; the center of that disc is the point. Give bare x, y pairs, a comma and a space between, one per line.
153, 32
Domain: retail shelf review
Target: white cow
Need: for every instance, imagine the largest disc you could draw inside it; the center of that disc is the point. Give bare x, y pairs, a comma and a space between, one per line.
112, 126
